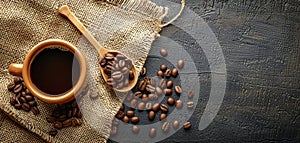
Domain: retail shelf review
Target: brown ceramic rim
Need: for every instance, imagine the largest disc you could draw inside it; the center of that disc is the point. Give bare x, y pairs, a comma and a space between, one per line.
54, 99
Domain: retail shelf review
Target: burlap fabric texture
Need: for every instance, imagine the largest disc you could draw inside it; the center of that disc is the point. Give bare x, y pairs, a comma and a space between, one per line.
126, 25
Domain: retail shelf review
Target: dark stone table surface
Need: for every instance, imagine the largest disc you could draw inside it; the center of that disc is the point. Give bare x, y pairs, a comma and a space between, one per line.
260, 40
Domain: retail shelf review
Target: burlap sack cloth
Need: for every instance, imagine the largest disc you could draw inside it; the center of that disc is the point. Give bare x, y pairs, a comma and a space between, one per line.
126, 25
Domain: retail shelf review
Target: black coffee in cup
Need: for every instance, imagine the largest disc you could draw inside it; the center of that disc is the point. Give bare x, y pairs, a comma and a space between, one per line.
55, 70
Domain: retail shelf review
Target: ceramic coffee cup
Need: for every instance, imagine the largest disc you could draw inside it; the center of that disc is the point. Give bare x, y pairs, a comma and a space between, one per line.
24, 71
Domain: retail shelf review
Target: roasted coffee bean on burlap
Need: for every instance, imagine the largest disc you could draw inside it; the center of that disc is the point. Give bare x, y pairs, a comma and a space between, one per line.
22, 98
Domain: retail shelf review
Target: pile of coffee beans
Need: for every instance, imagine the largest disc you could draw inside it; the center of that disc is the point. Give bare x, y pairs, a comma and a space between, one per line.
23, 99
118, 68
145, 95
64, 115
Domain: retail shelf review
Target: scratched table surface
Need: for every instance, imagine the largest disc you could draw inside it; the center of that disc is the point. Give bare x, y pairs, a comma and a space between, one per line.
260, 41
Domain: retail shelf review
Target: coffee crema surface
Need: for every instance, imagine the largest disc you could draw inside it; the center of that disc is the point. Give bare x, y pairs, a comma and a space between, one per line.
55, 71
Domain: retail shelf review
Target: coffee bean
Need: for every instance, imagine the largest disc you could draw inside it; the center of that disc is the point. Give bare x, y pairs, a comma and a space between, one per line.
148, 106
12, 101
170, 84
164, 108
78, 122
23, 85
168, 73
135, 129
180, 64
28, 97
23, 93
143, 71
53, 132
58, 125
152, 82
163, 67
142, 85
116, 75
151, 115
174, 72
67, 123
130, 113
69, 114
131, 75
114, 130
32, 103
187, 125
129, 97
190, 94
18, 88
18, 106
150, 88
190, 105
171, 101
74, 122
133, 103
162, 116
152, 96
120, 115
122, 107
109, 55
128, 64
74, 112
17, 80
120, 57
102, 62
165, 126
152, 132
156, 107
135, 120
11, 86
26, 107
50, 119
168, 91
22, 99
176, 124
141, 106
160, 74
178, 104
158, 90
62, 117
35, 110
145, 98
178, 89
162, 84
111, 82
125, 119
138, 94
163, 52
27, 92
122, 63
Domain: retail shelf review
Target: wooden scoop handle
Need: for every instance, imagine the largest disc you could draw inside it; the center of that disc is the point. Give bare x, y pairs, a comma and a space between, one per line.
65, 10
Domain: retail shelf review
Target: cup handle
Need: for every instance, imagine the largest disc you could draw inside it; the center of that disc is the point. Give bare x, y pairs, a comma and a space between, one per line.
15, 69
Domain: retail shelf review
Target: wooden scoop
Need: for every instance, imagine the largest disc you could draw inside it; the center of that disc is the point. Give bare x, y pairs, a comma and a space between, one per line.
65, 10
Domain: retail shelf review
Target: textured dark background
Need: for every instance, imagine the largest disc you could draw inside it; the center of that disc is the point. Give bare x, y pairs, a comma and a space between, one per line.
260, 40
